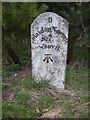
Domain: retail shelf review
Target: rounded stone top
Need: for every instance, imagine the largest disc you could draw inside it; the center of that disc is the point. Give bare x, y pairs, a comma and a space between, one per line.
43, 17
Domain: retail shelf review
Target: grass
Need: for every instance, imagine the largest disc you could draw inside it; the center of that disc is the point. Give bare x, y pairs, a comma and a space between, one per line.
6, 73
46, 101
15, 110
22, 98
32, 98
74, 108
29, 83
78, 77
22, 91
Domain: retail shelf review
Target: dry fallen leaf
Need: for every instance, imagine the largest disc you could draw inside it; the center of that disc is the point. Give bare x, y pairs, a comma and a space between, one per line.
37, 110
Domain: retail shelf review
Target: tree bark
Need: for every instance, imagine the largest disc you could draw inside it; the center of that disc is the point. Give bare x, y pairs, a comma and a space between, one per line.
12, 54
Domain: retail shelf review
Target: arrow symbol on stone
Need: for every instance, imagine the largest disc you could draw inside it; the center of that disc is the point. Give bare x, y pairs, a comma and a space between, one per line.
47, 59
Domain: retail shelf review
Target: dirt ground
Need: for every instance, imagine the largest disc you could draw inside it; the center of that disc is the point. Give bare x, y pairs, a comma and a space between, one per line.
60, 97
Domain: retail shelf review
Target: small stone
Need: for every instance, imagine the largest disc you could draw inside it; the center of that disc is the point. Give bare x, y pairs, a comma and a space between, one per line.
16, 75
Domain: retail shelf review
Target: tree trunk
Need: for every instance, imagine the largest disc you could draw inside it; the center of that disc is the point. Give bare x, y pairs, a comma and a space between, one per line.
71, 44
12, 54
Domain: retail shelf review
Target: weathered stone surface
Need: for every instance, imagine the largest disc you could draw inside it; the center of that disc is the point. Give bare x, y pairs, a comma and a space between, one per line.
49, 38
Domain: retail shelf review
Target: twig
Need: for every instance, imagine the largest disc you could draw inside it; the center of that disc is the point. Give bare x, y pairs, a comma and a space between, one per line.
82, 24
80, 37
74, 65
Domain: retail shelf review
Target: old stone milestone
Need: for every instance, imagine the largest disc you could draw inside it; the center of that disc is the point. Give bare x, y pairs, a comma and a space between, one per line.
49, 39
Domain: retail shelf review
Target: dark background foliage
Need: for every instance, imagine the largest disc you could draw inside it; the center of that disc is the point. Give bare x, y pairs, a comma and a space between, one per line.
16, 22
